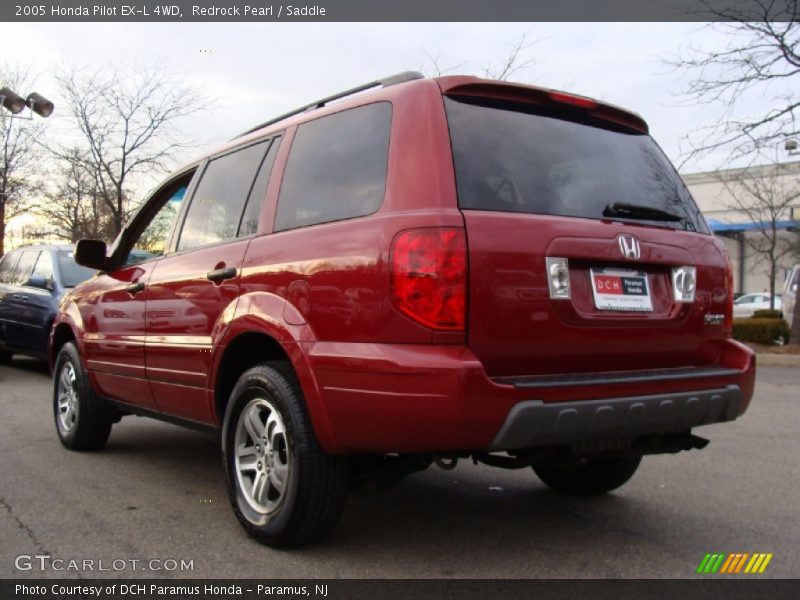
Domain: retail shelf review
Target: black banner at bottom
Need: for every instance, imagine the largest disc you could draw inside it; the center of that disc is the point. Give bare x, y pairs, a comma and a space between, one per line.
389, 589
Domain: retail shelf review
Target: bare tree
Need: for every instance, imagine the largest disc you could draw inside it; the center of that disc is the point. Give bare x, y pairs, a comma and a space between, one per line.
761, 59
72, 207
127, 118
18, 138
515, 61
765, 199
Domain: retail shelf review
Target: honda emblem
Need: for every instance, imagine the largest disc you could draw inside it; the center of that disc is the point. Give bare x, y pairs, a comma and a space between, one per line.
629, 246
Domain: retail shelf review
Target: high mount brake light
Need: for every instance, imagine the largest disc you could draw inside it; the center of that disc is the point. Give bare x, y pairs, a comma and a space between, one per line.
572, 99
429, 276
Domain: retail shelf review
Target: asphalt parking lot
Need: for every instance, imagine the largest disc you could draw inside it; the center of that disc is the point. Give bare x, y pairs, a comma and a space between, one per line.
157, 492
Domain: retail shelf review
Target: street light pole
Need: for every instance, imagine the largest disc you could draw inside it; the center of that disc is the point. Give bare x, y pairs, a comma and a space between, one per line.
15, 104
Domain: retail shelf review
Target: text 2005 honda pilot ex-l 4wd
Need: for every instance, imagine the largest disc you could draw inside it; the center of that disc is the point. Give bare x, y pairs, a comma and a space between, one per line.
430, 270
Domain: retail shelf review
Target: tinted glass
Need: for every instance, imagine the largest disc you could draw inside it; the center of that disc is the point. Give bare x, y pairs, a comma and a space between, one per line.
217, 204
519, 158
44, 266
252, 211
72, 273
7, 267
24, 267
336, 167
153, 240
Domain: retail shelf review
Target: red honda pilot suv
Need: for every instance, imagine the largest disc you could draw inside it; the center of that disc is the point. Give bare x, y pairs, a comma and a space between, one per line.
430, 270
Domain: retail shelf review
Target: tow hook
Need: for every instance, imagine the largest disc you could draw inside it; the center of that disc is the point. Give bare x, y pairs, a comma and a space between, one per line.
448, 463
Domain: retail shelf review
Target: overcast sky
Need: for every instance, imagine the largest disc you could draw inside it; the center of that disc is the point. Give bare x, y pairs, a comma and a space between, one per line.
261, 70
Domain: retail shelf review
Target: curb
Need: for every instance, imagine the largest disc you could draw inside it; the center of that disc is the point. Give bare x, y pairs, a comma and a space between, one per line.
777, 360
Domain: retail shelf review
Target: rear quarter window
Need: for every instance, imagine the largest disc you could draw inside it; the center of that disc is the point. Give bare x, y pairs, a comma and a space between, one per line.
336, 168
24, 267
7, 264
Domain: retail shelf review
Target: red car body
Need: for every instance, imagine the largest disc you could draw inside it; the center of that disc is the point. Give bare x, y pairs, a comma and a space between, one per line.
374, 378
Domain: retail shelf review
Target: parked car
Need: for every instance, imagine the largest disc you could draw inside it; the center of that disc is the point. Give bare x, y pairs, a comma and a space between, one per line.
32, 281
430, 270
790, 294
746, 305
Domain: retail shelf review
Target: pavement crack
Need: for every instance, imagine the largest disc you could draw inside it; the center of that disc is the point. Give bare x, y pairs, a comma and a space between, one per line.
21, 524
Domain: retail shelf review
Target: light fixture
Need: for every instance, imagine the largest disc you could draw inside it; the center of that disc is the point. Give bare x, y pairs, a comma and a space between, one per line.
39, 104
558, 277
684, 283
11, 101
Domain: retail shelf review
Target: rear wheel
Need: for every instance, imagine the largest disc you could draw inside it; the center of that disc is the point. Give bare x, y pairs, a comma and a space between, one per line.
83, 420
285, 490
590, 478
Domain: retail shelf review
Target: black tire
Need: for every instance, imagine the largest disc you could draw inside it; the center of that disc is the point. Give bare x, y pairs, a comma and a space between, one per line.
315, 484
5, 357
592, 478
89, 425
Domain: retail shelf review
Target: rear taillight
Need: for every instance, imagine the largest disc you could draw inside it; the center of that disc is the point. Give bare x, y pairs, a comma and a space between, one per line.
429, 276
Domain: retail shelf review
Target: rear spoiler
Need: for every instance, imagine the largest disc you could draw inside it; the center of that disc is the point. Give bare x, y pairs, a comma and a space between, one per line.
514, 92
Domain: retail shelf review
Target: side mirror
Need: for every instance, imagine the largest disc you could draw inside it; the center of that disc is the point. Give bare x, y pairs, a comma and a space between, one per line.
91, 254
43, 283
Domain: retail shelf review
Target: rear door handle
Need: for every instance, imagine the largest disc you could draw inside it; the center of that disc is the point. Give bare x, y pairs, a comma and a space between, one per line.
135, 288
221, 274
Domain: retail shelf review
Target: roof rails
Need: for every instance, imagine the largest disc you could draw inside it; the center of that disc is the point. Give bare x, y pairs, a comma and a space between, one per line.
385, 82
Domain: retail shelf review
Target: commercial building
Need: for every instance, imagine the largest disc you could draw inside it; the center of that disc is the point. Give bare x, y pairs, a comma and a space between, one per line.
727, 198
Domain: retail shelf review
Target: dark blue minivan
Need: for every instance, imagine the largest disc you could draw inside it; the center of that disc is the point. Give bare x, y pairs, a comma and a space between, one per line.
32, 281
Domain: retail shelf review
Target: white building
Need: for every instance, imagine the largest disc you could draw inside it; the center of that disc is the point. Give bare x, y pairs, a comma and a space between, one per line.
725, 198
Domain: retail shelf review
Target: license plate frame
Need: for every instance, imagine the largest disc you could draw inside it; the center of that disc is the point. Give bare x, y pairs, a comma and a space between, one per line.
621, 290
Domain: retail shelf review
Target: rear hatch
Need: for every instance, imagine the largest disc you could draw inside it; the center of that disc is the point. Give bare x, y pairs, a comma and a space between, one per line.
548, 179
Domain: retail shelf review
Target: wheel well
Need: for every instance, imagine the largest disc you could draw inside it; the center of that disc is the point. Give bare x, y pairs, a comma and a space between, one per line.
244, 352
62, 335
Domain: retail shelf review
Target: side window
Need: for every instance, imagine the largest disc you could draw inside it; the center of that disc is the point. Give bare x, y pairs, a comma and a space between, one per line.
24, 267
7, 267
252, 210
217, 203
336, 167
44, 266
153, 239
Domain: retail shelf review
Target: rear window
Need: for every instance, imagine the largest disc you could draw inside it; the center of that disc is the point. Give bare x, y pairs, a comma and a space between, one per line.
71, 272
529, 159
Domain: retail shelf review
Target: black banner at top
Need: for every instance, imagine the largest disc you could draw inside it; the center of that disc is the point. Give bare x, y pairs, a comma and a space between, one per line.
243, 11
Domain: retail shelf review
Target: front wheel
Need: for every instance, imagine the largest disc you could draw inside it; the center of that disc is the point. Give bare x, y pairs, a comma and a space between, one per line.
591, 478
5, 357
285, 490
83, 420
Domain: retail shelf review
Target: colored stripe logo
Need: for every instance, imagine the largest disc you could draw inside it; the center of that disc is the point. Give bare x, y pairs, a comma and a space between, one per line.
735, 563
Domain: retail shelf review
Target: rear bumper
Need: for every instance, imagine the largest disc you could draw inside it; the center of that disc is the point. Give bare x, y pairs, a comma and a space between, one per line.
381, 398
533, 423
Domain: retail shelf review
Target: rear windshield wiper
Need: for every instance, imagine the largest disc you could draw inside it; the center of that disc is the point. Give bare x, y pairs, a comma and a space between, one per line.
639, 211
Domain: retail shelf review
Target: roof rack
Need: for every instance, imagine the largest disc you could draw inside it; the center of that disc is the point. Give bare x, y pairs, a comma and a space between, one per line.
385, 82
